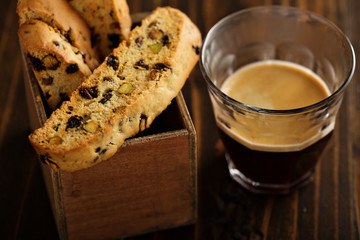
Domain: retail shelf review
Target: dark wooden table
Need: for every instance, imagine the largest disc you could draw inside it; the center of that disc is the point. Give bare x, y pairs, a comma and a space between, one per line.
328, 208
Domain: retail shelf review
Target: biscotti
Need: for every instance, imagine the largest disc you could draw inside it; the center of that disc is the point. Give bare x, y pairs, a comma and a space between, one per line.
57, 67
109, 21
62, 17
124, 94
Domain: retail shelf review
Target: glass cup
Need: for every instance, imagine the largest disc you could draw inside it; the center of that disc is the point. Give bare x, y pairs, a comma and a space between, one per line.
275, 151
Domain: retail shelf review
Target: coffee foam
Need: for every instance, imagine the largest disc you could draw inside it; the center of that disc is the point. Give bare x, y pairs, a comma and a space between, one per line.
275, 84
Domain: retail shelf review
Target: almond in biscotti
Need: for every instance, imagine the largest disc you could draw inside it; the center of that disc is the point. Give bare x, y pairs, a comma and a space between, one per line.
123, 95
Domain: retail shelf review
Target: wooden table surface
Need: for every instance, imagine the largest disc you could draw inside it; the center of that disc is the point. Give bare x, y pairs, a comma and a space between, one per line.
328, 208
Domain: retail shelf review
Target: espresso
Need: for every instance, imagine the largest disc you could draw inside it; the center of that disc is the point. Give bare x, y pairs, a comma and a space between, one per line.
275, 150
287, 169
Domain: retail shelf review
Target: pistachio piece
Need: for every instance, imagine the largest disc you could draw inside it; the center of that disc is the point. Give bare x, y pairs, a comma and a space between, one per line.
55, 140
126, 88
155, 48
91, 126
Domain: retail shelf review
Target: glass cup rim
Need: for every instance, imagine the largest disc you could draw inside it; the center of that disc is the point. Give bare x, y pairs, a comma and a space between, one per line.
236, 103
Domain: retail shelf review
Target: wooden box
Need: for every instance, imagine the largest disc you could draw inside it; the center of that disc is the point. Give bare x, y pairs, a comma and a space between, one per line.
148, 185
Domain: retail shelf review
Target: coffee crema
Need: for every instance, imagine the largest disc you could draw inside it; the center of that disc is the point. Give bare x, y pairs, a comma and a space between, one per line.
274, 85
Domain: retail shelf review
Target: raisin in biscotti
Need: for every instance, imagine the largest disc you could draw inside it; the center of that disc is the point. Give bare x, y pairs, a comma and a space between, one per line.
124, 94
62, 17
109, 21
57, 68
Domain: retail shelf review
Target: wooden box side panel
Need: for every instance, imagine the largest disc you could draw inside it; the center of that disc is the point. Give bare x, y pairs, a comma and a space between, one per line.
144, 187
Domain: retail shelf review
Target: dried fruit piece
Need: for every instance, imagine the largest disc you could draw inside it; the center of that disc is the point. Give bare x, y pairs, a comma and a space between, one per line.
162, 66
197, 49
57, 44
72, 68
47, 95
56, 128
121, 77
67, 35
139, 41
74, 121
126, 88
106, 97
111, 13
113, 62
36, 63
88, 93
165, 40
155, 48
153, 23
83, 55
91, 126
47, 80
108, 79
55, 140
141, 65
154, 75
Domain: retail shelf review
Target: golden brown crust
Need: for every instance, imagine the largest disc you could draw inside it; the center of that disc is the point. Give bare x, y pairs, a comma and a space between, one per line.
109, 20
61, 16
124, 94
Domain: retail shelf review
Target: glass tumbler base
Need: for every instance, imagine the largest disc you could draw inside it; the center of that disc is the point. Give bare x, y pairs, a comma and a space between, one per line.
267, 188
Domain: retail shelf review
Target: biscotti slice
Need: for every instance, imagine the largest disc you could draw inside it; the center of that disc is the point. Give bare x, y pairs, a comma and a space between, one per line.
62, 17
109, 21
56, 66
124, 94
